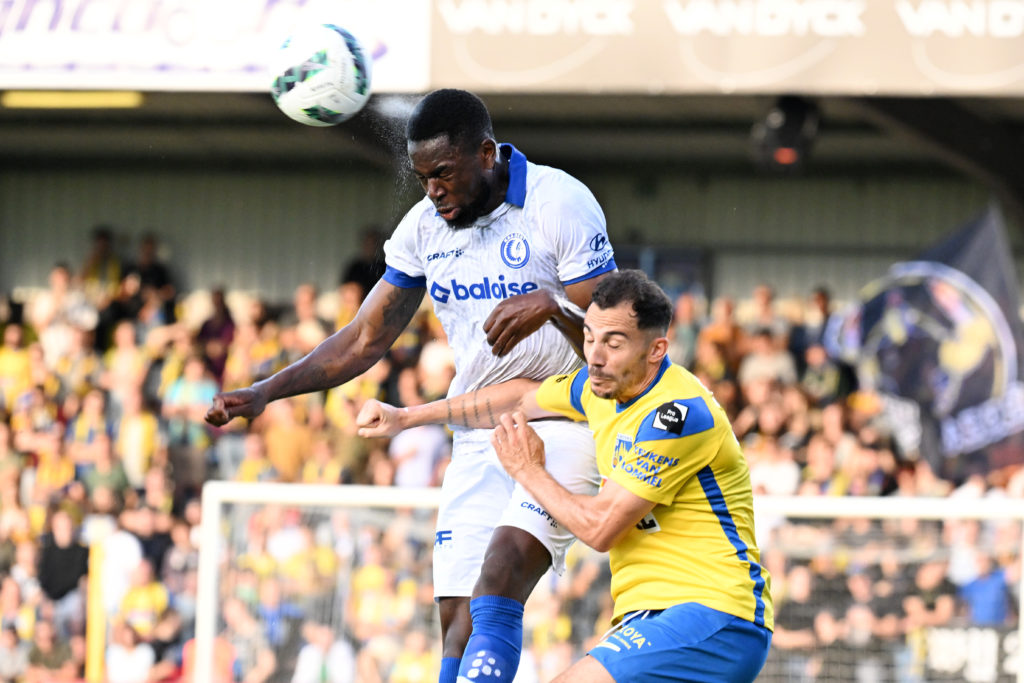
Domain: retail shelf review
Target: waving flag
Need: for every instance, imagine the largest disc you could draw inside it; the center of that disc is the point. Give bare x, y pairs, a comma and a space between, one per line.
940, 338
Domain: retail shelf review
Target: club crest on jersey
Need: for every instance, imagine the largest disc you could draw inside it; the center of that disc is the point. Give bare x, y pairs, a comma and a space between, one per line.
515, 250
671, 417
623, 445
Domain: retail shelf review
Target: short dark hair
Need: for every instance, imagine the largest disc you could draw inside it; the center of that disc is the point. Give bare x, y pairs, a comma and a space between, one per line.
651, 305
459, 114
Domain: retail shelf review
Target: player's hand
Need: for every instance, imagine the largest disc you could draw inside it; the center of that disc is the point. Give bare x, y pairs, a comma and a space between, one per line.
517, 444
379, 419
516, 318
247, 402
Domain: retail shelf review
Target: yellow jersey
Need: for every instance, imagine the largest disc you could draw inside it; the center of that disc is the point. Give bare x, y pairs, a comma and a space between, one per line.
673, 445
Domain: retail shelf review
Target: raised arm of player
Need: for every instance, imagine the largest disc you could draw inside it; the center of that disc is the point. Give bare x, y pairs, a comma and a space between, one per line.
516, 318
345, 354
479, 409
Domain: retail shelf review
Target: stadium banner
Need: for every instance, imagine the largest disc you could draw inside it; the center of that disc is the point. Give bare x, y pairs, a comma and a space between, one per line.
940, 338
196, 45
843, 47
972, 654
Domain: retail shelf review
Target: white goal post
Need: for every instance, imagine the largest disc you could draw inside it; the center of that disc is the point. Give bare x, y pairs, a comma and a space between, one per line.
218, 494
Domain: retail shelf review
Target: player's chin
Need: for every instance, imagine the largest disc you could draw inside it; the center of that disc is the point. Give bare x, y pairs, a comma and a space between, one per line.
602, 391
458, 218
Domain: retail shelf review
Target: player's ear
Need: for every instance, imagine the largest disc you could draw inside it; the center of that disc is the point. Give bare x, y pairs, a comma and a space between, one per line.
488, 153
657, 351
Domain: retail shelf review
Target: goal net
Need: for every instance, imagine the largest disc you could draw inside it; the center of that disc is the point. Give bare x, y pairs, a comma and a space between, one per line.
331, 583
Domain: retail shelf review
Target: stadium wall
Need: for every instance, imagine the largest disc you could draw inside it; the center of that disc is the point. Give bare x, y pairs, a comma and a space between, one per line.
269, 231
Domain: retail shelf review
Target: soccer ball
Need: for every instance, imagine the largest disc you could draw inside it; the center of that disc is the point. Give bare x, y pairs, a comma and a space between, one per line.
323, 77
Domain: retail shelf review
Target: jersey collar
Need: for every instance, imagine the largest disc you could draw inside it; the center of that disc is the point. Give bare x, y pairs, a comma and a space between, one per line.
665, 362
516, 192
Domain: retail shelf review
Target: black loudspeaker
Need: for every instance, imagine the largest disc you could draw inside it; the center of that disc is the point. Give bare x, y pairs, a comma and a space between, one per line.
783, 140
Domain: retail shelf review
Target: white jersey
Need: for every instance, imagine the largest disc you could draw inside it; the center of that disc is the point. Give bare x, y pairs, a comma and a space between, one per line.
549, 232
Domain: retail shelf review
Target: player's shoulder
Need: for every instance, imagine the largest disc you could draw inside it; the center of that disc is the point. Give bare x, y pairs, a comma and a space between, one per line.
674, 418
420, 213
679, 406
549, 185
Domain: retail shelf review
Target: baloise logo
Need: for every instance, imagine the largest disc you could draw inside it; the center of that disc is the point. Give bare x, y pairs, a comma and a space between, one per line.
488, 289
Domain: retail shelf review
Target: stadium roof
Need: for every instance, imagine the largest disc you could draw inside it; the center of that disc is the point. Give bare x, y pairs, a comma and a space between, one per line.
981, 137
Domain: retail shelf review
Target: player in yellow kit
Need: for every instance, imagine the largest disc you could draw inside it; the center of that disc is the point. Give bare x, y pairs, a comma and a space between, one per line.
675, 509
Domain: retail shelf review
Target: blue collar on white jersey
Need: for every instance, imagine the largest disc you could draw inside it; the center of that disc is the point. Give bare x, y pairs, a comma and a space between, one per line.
516, 192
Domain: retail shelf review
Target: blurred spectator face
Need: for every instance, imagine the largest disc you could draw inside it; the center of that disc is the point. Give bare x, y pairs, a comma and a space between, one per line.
195, 368
145, 522
270, 593
94, 403
254, 446
13, 336
305, 301
10, 596
142, 575
832, 421
63, 528
124, 335
758, 391
147, 250
722, 309
43, 635
350, 295
860, 622
762, 343
25, 556
816, 355
60, 278
103, 449
771, 419
103, 500
799, 580
125, 636
686, 308
827, 628
930, 574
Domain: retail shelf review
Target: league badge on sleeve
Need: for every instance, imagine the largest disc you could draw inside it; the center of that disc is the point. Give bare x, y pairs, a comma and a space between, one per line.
670, 417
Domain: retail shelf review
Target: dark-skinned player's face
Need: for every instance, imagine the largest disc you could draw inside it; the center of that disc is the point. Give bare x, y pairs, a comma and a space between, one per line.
458, 181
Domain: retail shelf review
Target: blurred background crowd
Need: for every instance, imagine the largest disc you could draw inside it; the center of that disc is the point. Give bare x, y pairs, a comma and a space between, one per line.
106, 375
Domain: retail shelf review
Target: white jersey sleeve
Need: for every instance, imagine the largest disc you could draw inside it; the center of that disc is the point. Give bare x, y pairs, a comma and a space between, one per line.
402, 253
571, 221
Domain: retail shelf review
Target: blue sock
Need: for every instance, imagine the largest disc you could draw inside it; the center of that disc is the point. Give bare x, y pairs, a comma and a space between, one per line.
492, 653
449, 670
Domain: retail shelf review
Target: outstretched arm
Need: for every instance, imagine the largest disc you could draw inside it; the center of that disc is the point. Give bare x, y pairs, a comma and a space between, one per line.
600, 521
478, 409
345, 354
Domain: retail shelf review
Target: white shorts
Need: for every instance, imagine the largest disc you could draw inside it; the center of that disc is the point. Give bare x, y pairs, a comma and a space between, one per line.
477, 496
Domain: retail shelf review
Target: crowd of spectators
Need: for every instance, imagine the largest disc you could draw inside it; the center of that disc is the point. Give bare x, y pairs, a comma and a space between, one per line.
107, 372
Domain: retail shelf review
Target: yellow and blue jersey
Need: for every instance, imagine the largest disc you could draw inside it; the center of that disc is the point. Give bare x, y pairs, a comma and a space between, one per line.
673, 445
